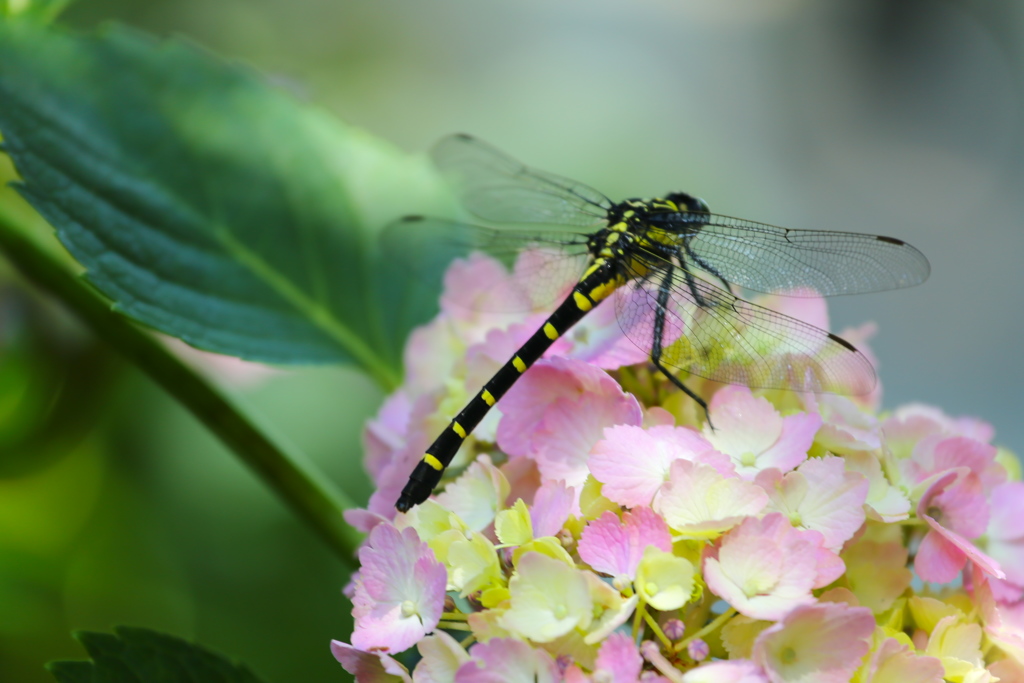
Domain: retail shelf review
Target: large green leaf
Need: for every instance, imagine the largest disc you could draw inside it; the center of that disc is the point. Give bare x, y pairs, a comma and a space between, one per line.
136, 655
33, 10
209, 204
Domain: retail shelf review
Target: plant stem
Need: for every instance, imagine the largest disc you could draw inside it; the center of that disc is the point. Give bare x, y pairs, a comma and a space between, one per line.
295, 480
717, 623
657, 631
454, 626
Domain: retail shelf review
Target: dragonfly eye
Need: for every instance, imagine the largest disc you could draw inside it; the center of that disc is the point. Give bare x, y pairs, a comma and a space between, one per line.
688, 202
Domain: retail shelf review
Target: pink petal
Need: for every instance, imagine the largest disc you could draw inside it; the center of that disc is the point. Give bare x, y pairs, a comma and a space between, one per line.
552, 505
477, 494
619, 658
570, 429
791, 448
893, 661
1006, 538
362, 520
430, 355
442, 656
1004, 623
698, 499
821, 495
523, 479
845, 427
830, 567
480, 283
979, 457
656, 416
506, 660
616, 547
598, 340
970, 551
765, 567
944, 552
400, 592
369, 667
726, 671
1007, 511
633, 463
955, 500
938, 560
859, 337
1006, 670
574, 674
935, 454
910, 423
395, 474
1005, 591
558, 411
743, 423
962, 506
529, 400
823, 643
385, 433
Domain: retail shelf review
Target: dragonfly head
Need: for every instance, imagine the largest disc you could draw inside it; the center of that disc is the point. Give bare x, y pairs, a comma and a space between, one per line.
687, 202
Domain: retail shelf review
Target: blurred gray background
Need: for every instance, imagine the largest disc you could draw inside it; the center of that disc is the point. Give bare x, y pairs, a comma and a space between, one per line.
899, 118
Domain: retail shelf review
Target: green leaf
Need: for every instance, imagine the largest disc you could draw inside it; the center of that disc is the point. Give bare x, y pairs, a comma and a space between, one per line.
210, 205
37, 10
137, 655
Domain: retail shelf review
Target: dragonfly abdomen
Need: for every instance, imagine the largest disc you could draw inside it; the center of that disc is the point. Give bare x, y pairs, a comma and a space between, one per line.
600, 281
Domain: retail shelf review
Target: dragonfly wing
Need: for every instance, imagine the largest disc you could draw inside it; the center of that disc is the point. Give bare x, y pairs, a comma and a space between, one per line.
498, 188
530, 269
766, 258
711, 333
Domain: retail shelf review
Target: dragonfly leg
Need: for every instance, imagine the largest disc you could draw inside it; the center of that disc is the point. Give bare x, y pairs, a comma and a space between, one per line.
656, 344
685, 389
706, 267
694, 292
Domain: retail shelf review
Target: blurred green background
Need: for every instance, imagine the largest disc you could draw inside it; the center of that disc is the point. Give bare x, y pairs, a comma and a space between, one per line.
901, 118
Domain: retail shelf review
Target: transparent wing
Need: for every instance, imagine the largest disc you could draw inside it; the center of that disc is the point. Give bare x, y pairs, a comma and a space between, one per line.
766, 258
498, 188
714, 334
528, 271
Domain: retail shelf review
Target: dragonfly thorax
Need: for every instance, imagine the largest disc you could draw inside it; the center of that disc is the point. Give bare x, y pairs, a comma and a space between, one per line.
673, 205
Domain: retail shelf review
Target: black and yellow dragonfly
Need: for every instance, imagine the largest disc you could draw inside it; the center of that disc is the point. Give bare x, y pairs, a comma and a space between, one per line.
671, 267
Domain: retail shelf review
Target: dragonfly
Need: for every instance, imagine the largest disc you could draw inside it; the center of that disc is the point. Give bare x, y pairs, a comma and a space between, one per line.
674, 272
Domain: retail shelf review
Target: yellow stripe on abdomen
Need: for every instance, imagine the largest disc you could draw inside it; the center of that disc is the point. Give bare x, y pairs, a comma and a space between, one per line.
582, 302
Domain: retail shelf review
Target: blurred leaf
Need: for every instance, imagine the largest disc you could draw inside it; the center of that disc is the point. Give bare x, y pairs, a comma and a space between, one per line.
40, 10
72, 672
138, 655
210, 205
53, 383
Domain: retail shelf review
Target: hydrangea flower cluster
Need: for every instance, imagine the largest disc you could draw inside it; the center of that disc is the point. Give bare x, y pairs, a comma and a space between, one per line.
598, 529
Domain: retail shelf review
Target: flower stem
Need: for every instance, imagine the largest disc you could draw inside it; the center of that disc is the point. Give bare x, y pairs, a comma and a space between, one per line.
657, 631
295, 480
454, 625
641, 610
718, 622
